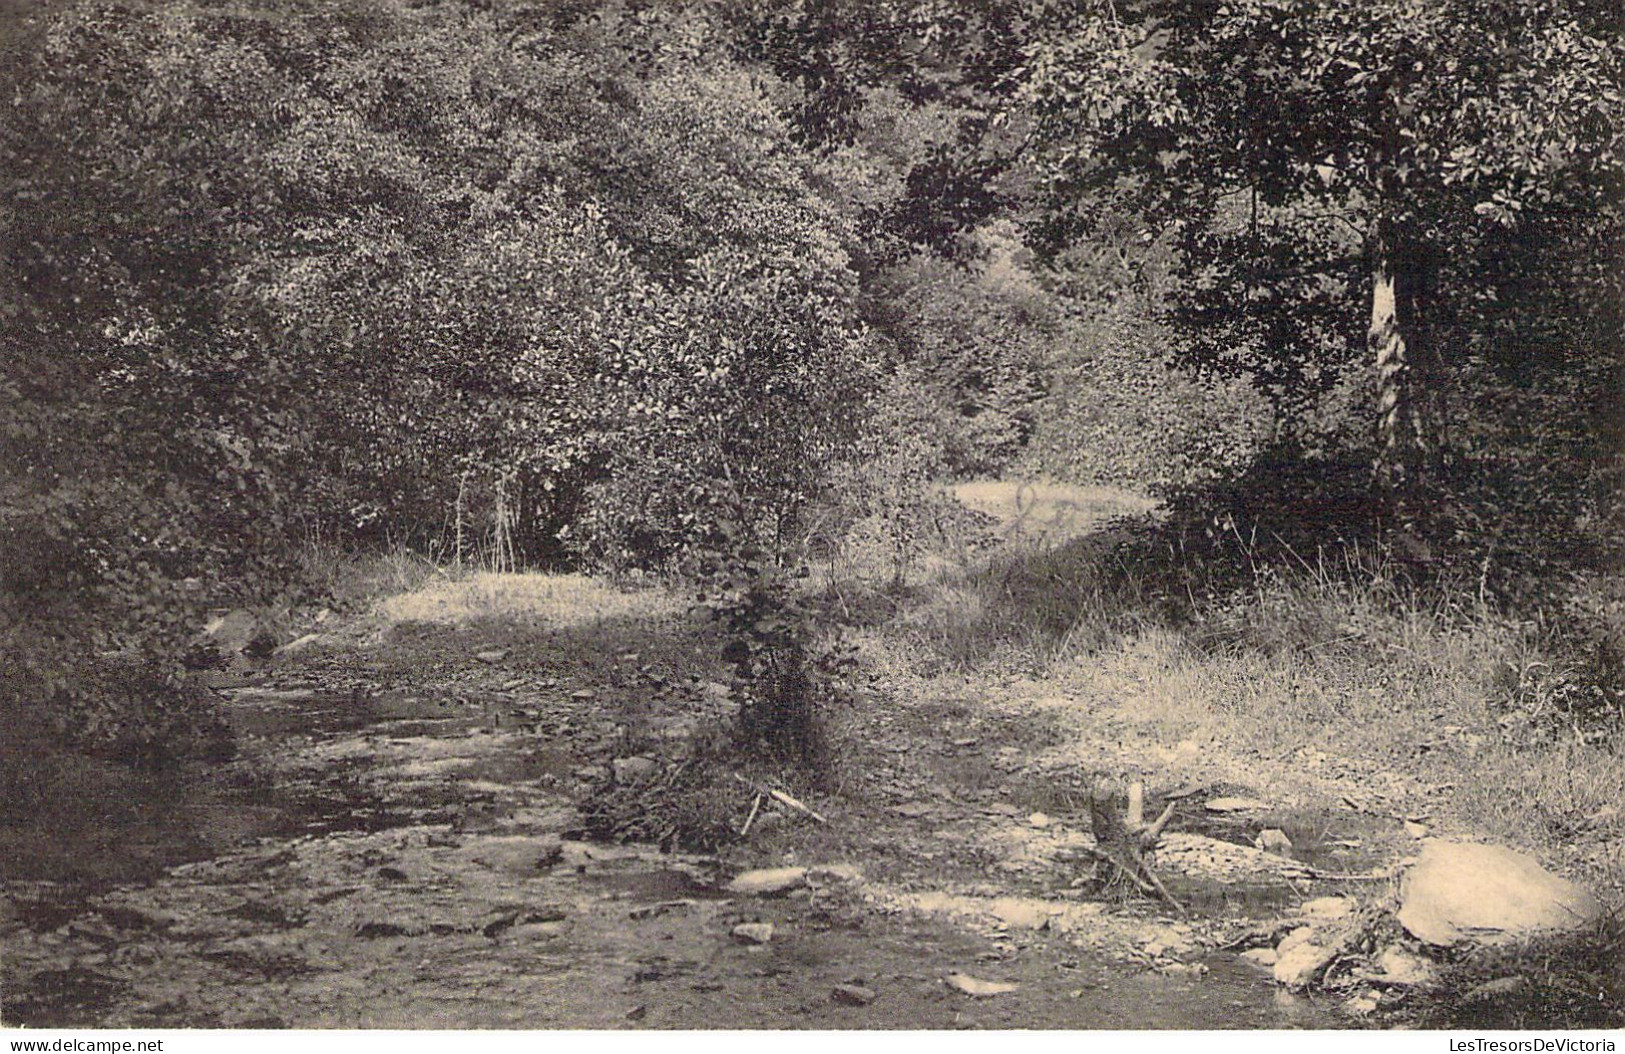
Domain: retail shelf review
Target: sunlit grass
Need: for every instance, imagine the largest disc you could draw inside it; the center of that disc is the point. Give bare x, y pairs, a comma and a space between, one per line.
558, 599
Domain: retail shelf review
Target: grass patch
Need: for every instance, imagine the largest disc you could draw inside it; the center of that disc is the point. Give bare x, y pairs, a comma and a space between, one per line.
564, 600
1335, 658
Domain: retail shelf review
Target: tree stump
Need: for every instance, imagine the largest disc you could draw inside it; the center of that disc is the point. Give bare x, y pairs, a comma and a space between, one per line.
1127, 844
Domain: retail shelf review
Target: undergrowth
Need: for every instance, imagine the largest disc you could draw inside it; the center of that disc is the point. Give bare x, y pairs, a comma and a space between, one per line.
1216, 633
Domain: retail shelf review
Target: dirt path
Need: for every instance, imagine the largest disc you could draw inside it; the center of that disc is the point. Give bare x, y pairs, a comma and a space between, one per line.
397, 847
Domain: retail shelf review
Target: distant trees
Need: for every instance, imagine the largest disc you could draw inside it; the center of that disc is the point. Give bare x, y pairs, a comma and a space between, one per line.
1300, 155
360, 268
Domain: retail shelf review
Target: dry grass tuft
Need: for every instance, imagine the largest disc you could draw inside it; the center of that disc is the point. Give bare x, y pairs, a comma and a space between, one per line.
559, 599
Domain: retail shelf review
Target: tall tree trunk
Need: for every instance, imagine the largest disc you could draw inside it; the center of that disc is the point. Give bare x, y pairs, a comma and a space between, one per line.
1409, 401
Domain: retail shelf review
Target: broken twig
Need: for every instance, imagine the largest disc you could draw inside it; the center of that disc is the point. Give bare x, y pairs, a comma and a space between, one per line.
755, 807
781, 797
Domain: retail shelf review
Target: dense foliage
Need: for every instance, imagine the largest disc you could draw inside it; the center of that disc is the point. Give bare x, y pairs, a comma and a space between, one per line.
1441, 183
621, 284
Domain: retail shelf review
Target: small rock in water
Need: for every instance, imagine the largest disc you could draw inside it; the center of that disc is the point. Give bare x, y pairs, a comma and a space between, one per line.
1402, 967
753, 932
1273, 840
1260, 956
1458, 891
1301, 957
1326, 907
822, 874
493, 655
976, 986
634, 769
1020, 914
768, 881
1234, 805
852, 994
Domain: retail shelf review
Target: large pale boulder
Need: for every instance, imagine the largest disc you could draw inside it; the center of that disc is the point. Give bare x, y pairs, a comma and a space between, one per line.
1457, 891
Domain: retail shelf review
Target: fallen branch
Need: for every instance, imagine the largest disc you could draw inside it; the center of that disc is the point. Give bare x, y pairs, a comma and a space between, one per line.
780, 797
755, 807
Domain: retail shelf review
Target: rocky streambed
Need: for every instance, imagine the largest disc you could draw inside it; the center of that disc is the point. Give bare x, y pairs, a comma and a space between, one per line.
413, 855
408, 862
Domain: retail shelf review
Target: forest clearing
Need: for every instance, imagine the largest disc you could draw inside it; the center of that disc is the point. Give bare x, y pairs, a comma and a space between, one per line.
861, 514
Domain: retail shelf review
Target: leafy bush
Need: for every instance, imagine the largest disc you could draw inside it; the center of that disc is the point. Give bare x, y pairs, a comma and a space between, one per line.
785, 672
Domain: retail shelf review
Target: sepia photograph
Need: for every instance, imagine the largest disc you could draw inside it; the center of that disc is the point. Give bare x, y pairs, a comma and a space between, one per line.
881, 515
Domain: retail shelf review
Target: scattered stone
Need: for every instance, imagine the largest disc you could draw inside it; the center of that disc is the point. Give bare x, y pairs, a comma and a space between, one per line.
649, 911
1403, 968
1003, 808
976, 986
753, 932
1260, 956
1039, 819
1273, 840
1326, 907
768, 881
1300, 958
1018, 914
299, 644
1458, 891
1362, 1004
494, 655
852, 994
232, 631
634, 769
1197, 854
527, 930
519, 854
1179, 969
821, 874
1234, 805
1499, 988
1416, 829
583, 693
